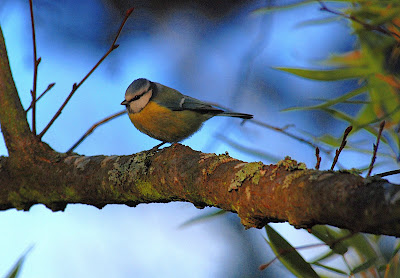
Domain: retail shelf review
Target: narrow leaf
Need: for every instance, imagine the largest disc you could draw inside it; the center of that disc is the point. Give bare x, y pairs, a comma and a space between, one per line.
330, 237
362, 267
356, 125
334, 101
323, 256
362, 246
329, 75
202, 218
288, 255
338, 271
15, 271
320, 21
352, 58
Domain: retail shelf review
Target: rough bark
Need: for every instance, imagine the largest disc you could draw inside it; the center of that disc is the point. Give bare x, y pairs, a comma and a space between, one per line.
258, 193
34, 173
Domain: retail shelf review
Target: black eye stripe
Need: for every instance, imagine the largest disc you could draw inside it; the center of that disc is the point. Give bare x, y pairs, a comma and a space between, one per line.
139, 96
136, 97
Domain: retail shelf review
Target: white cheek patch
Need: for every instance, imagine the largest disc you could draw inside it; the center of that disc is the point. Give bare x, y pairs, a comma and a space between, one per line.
137, 105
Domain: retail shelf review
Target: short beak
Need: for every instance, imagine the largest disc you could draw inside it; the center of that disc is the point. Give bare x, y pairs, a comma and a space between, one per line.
124, 102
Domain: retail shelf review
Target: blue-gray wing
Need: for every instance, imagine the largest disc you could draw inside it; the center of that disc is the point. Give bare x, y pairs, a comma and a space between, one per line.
189, 103
176, 101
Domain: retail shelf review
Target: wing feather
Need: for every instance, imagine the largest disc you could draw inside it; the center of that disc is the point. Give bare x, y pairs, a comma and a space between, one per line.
176, 101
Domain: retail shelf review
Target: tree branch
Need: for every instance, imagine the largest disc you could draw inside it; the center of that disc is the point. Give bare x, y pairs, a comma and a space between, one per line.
14, 125
258, 193
34, 173
36, 62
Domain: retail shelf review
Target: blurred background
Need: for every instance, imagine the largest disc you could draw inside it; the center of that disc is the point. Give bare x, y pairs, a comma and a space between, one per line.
217, 51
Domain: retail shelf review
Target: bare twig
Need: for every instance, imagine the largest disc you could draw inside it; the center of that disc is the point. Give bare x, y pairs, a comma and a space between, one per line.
96, 125
266, 265
378, 138
36, 62
355, 19
289, 134
278, 129
342, 145
76, 86
42, 94
389, 173
318, 158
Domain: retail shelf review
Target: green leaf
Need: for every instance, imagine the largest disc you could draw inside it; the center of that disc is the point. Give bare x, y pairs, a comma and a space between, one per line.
323, 256
338, 271
385, 100
330, 237
334, 101
329, 75
288, 255
330, 140
364, 266
202, 218
363, 102
335, 142
349, 59
396, 249
362, 246
385, 16
366, 115
15, 271
320, 21
359, 242
356, 125
392, 268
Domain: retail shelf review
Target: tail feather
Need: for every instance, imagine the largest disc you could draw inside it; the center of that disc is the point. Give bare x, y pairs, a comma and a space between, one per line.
236, 115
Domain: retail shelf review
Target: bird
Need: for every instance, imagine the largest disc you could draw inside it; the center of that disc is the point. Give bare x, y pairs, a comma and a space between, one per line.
167, 115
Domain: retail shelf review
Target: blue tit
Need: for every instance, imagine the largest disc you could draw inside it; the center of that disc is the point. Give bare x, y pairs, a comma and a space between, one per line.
165, 114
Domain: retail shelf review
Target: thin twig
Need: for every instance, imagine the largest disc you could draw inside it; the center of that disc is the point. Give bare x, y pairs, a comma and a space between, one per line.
353, 18
36, 62
289, 134
318, 158
278, 129
96, 125
378, 138
42, 94
76, 86
342, 145
389, 173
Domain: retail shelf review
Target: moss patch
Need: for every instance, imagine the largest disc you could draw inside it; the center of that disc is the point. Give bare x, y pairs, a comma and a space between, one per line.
124, 178
288, 164
249, 171
217, 160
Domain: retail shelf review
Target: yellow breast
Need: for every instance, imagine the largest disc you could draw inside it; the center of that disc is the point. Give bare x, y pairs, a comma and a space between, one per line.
166, 125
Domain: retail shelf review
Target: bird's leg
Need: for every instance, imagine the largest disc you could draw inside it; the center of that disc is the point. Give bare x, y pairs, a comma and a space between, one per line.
157, 146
